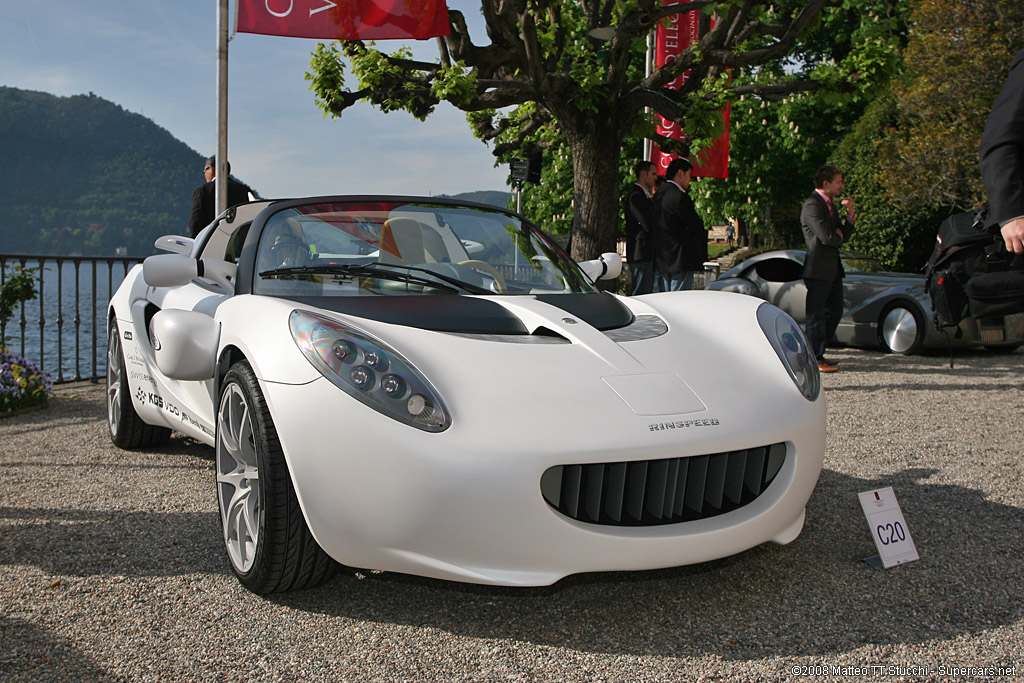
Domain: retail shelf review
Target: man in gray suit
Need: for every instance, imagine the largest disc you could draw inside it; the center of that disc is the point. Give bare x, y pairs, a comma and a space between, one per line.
824, 231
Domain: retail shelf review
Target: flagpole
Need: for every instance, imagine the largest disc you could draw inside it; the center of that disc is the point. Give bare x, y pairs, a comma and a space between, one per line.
648, 68
221, 179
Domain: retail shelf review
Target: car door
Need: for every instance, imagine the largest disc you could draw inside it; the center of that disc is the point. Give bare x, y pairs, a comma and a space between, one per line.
188, 406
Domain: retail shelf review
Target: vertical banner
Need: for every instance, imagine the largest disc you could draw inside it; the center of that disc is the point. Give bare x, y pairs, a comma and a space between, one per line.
672, 39
344, 19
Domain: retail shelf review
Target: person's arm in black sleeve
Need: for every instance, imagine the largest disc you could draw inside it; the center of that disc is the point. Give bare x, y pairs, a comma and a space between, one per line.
1002, 158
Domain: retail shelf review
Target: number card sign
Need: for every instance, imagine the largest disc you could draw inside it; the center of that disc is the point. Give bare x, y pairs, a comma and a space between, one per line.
888, 528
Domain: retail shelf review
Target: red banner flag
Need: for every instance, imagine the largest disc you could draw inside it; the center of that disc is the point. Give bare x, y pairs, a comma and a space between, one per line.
672, 39
344, 19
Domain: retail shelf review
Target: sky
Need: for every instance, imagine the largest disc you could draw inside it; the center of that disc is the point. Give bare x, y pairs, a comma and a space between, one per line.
158, 59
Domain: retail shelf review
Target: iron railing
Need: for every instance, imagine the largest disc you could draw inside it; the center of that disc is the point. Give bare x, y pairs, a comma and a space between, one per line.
40, 323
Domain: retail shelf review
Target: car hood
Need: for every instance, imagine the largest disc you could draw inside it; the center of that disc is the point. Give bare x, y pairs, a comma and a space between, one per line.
663, 367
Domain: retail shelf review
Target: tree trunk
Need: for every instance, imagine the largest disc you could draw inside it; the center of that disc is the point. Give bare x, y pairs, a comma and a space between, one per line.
743, 232
596, 201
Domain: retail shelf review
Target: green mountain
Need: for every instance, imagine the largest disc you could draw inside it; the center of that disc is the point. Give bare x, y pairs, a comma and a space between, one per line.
492, 197
80, 175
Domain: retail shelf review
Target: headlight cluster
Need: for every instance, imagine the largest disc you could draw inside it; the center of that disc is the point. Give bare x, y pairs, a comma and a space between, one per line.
369, 370
790, 344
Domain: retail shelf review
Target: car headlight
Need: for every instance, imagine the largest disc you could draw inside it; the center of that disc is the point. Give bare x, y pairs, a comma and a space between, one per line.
369, 370
789, 343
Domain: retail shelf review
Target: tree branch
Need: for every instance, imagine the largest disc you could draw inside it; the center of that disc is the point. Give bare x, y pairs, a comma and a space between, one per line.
532, 126
777, 91
716, 50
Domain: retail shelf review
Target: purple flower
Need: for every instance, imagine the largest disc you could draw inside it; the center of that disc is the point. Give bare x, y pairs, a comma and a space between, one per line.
22, 383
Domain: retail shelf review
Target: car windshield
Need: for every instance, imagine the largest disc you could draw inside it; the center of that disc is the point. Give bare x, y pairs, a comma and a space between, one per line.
362, 248
862, 264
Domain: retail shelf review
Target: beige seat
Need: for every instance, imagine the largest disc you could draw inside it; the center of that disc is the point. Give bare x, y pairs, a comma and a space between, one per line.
401, 242
434, 247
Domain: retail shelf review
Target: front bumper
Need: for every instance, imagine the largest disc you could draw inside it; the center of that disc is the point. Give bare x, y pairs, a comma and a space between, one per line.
467, 504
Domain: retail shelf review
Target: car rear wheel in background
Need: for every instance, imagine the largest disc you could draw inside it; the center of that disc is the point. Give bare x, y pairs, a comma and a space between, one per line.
268, 543
901, 328
127, 430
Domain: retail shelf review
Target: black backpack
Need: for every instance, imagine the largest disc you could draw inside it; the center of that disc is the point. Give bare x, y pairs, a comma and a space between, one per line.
970, 273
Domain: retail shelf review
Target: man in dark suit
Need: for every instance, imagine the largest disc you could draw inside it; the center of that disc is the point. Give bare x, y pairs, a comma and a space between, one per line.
1002, 158
680, 241
204, 202
637, 210
824, 231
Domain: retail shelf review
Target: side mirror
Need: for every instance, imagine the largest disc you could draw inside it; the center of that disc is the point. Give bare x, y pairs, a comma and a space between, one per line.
607, 266
174, 270
169, 270
185, 344
176, 244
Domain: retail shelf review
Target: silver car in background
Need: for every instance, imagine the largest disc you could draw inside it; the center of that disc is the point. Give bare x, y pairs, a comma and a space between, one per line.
881, 309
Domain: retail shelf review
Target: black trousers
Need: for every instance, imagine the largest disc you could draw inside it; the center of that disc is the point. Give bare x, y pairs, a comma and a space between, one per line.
824, 308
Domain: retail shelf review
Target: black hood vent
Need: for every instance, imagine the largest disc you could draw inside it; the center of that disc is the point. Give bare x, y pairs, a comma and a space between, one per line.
469, 314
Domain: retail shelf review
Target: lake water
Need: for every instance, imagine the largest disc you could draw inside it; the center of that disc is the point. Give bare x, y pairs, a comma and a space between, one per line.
62, 339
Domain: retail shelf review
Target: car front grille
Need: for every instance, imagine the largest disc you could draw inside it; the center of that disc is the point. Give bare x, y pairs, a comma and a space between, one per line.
667, 491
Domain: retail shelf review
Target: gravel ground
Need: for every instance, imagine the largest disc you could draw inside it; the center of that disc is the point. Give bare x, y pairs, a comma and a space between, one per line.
112, 569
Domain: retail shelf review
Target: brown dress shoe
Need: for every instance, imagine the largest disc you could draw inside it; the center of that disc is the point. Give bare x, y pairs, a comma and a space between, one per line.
825, 367
830, 363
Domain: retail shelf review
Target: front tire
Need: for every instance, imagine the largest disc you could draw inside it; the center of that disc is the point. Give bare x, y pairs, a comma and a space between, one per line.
127, 430
268, 543
901, 329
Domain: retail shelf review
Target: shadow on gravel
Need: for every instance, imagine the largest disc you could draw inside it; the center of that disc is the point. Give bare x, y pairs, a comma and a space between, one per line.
815, 596
33, 654
65, 542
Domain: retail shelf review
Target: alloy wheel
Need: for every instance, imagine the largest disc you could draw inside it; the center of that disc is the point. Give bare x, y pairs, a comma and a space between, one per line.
900, 330
115, 370
238, 485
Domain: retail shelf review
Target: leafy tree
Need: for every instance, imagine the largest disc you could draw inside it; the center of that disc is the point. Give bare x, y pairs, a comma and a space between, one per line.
900, 236
912, 159
19, 287
562, 84
954, 64
778, 140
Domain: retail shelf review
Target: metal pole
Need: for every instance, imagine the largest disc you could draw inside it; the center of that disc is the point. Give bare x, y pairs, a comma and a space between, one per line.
648, 69
42, 317
221, 180
93, 378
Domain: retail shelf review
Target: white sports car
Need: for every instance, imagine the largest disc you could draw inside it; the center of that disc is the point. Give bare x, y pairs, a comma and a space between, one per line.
431, 387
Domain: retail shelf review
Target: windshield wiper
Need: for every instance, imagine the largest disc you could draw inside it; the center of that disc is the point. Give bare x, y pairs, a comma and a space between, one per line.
374, 270
476, 289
